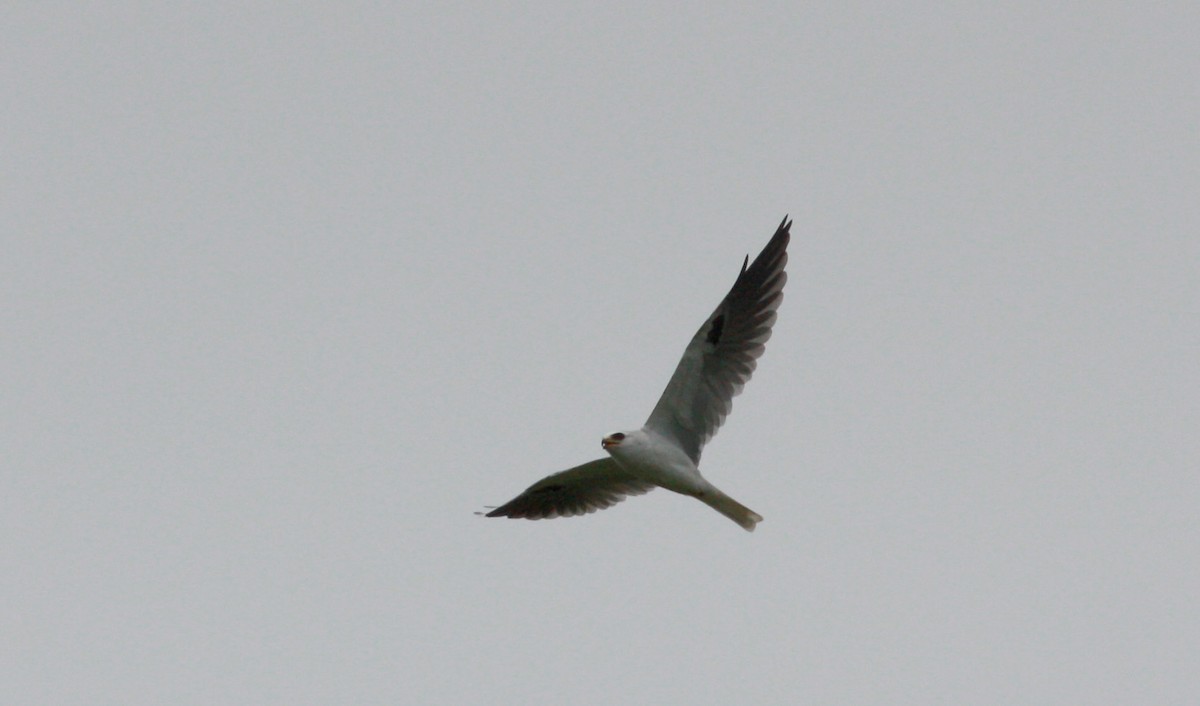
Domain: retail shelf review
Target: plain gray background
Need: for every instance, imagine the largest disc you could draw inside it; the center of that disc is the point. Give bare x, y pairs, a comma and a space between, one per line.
290, 291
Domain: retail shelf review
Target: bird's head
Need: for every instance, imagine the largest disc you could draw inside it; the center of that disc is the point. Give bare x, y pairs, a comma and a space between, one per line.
612, 440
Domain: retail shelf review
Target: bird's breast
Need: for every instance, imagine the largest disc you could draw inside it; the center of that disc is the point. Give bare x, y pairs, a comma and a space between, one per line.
661, 463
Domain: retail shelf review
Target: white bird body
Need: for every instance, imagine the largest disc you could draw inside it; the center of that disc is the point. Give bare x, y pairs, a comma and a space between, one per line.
651, 458
665, 452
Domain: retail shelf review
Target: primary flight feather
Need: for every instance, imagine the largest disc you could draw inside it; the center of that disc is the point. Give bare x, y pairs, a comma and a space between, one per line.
665, 452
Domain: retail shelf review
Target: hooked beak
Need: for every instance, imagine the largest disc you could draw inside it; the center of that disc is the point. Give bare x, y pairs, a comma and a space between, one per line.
608, 442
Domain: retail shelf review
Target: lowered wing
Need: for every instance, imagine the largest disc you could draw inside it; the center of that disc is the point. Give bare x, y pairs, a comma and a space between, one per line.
576, 491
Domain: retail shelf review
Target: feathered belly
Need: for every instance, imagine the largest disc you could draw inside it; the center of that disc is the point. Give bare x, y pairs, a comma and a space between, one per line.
664, 465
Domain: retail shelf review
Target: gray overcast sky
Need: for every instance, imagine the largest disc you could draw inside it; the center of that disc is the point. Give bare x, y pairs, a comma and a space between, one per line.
290, 291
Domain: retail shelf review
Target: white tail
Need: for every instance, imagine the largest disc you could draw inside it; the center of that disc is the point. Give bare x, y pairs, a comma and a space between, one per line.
730, 508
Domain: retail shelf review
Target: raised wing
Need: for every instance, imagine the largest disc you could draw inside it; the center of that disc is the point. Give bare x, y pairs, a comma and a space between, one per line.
576, 491
723, 354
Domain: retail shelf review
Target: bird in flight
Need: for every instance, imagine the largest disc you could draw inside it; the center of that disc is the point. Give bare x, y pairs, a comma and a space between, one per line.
665, 452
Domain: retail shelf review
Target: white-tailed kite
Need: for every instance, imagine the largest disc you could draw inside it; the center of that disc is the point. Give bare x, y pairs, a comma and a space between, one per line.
665, 452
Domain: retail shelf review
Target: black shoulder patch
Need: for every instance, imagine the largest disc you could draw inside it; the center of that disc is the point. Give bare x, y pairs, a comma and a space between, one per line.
714, 333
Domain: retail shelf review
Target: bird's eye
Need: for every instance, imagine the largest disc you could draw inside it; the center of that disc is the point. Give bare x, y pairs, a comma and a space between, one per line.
618, 436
